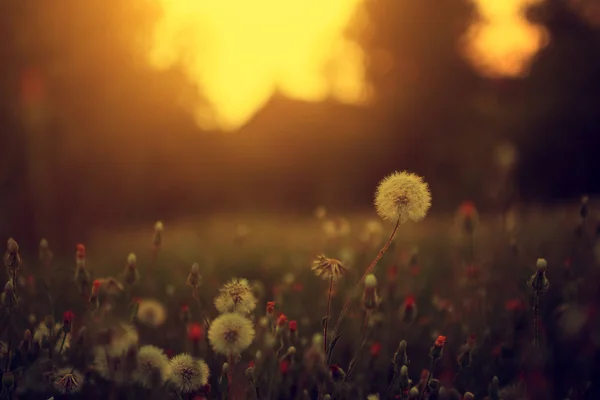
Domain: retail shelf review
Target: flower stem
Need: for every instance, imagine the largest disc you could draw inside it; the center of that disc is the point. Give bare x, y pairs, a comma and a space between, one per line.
363, 340
426, 385
327, 315
367, 272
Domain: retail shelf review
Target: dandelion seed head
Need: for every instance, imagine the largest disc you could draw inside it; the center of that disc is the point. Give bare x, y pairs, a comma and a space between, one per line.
68, 381
151, 312
159, 226
402, 196
231, 334
187, 374
153, 367
236, 296
327, 268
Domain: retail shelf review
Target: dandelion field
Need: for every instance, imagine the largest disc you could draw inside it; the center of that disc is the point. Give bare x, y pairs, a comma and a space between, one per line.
235, 307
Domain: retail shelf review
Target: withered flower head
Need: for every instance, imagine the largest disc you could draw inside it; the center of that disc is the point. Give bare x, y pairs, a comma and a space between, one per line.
327, 268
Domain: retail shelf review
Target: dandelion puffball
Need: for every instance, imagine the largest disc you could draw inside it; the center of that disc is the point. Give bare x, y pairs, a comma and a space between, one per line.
230, 334
152, 369
187, 374
402, 196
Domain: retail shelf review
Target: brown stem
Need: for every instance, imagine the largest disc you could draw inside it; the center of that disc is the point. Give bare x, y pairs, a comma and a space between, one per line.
426, 385
367, 272
327, 315
363, 340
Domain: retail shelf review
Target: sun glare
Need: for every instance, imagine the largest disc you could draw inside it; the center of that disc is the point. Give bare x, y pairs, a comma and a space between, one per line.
238, 53
502, 42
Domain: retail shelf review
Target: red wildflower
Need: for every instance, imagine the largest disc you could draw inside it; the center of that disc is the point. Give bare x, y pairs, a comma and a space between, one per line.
467, 209
282, 320
440, 341
96, 284
472, 271
80, 251
293, 326
514, 305
270, 307
298, 287
251, 364
415, 270
284, 366
68, 317
409, 302
185, 308
375, 349
195, 332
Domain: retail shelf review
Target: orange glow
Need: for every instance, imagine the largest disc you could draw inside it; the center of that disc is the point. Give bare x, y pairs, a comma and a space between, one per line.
239, 52
502, 42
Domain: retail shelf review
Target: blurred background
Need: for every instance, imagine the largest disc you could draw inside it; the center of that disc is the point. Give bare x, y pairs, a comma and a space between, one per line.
156, 109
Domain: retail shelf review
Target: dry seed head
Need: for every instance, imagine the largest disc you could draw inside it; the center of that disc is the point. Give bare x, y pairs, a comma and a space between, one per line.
187, 374
68, 381
327, 268
230, 334
402, 196
236, 296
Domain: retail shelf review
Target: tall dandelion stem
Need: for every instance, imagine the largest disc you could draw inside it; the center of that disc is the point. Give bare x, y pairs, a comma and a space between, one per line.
367, 272
327, 315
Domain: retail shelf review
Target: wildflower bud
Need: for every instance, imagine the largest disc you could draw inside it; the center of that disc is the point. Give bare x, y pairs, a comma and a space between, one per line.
193, 279
495, 389
468, 396
414, 393
281, 322
538, 281
408, 311
27, 340
293, 326
45, 255
258, 355
327, 397
400, 357
225, 368
370, 297
404, 379
469, 216
131, 260
185, 314
8, 381
270, 308
375, 349
291, 350
438, 347
68, 317
12, 259
95, 291
80, 256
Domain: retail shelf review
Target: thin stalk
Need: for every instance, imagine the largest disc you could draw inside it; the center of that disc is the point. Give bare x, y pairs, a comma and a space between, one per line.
367, 272
10, 321
426, 385
536, 309
363, 340
327, 315
62, 344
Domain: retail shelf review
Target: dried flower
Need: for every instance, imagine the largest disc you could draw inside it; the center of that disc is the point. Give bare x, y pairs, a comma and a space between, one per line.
187, 374
402, 196
327, 268
153, 367
12, 259
68, 381
236, 296
230, 334
293, 326
194, 277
